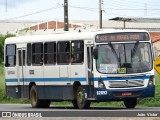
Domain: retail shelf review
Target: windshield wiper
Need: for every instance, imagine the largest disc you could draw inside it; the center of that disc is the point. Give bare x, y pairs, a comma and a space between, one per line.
114, 52
134, 49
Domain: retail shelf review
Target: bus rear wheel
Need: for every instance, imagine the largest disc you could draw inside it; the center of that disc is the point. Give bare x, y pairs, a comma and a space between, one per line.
82, 103
35, 101
130, 102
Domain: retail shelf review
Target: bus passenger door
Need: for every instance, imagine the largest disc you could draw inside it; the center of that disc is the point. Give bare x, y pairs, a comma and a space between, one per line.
21, 71
90, 69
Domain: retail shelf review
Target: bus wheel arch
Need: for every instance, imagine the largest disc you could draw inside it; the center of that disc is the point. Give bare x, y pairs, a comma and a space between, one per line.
75, 87
82, 103
34, 98
30, 86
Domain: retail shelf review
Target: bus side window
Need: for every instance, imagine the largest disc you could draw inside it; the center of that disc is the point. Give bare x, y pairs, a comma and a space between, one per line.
63, 55
29, 54
50, 53
77, 51
10, 55
37, 54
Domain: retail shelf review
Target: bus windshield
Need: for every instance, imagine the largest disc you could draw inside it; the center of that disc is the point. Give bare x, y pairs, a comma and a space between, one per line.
124, 58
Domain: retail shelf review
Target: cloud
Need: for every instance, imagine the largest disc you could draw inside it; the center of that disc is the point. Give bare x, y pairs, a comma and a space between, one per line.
14, 3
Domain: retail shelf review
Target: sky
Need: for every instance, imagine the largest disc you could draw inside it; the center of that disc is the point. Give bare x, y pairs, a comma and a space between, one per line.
77, 9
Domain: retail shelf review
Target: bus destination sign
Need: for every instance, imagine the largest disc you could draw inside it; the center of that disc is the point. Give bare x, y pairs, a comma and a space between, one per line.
129, 36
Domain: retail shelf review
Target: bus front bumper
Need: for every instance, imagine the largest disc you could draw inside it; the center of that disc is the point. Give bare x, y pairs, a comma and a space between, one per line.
104, 94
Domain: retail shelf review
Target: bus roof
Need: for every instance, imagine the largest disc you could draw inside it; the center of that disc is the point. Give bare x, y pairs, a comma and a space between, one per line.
65, 36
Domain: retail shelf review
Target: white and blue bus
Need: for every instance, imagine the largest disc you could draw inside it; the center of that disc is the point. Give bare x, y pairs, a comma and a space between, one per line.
103, 65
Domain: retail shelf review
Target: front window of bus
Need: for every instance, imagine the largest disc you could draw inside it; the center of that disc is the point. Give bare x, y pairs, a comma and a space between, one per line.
124, 58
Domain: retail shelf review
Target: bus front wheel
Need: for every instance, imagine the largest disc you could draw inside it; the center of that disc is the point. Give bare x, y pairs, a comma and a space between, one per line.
35, 101
82, 103
130, 102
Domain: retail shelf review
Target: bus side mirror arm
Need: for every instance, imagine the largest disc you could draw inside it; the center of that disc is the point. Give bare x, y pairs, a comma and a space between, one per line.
95, 53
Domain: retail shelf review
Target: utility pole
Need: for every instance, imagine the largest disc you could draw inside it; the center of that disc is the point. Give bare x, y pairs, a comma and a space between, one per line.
65, 15
100, 14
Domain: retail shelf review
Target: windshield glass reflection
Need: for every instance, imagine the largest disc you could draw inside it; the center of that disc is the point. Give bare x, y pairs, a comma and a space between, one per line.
124, 58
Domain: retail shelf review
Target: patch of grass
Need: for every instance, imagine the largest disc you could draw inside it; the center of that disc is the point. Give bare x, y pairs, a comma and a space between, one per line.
2, 83
3, 98
64, 103
153, 102
108, 104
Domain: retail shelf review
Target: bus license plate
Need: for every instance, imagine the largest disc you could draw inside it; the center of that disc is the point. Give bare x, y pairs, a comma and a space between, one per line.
126, 94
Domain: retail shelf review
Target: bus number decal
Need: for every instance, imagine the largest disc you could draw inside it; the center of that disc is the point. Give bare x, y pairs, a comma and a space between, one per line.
31, 72
11, 72
101, 92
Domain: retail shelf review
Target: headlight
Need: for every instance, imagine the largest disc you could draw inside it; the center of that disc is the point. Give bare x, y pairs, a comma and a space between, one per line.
101, 83
151, 80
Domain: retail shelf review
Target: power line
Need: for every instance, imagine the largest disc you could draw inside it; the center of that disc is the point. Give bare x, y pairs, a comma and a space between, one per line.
55, 7
96, 9
129, 9
122, 4
85, 8
134, 3
92, 9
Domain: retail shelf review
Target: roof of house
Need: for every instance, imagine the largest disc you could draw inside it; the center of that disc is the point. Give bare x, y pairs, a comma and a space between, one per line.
155, 36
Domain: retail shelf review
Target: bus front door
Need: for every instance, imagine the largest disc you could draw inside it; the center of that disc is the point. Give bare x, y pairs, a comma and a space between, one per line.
90, 69
21, 72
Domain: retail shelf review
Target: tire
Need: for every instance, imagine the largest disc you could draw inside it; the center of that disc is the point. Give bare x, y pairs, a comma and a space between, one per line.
35, 101
130, 102
80, 99
74, 102
45, 103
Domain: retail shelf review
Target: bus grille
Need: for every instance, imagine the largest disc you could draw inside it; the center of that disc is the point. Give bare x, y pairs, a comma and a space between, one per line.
126, 83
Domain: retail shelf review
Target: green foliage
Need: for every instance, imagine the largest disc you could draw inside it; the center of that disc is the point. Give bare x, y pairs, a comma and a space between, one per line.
150, 102
23, 31
2, 39
3, 97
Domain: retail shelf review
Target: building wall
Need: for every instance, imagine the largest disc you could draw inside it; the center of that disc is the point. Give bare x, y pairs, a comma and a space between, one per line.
155, 37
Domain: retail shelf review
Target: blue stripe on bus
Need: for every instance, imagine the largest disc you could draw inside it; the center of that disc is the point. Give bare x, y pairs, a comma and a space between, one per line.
47, 79
12, 80
71, 79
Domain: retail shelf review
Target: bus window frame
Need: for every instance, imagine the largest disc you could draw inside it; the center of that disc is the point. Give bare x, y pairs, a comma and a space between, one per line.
42, 54
58, 61
7, 56
54, 53
77, 63
30, 55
